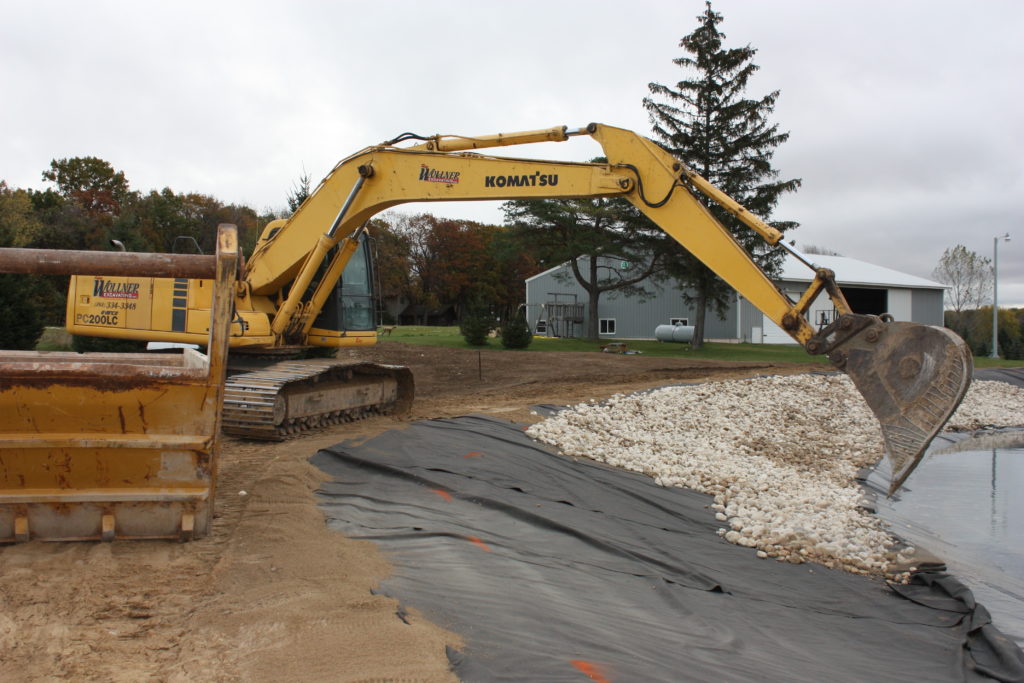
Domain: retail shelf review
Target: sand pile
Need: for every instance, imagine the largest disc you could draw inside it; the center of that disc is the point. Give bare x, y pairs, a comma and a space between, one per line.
779, 455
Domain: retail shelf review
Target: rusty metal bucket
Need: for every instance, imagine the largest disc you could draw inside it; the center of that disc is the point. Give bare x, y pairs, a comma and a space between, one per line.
101, 446
912, 376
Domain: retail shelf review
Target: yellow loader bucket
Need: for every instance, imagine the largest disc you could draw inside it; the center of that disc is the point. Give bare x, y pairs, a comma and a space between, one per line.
107, 445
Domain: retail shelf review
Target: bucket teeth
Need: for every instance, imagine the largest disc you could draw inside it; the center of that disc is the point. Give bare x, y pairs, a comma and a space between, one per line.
912, 376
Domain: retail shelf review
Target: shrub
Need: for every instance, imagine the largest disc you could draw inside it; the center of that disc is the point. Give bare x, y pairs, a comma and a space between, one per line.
22, 324
100, 344
515, 333
476, 325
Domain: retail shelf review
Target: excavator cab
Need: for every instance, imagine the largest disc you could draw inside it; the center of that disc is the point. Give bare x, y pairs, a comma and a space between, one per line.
351, 306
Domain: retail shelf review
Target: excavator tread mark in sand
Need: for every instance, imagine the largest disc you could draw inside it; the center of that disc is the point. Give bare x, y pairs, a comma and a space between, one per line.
297, 396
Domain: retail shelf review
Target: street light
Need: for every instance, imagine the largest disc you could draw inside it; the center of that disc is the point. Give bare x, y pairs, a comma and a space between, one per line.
995, 293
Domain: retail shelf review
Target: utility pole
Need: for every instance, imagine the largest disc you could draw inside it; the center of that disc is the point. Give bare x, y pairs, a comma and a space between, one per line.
995, 293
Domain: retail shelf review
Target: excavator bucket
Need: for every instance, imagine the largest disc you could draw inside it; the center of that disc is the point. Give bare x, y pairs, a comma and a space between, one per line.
113, 445
912, 376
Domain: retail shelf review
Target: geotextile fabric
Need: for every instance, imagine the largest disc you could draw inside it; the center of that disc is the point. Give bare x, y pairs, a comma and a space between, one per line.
1013, 376
560, 569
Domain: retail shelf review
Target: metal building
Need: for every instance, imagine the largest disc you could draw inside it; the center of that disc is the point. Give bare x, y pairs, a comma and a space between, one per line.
556, 305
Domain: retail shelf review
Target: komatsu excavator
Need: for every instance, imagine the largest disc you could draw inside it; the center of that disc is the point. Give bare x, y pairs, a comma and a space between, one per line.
293, 292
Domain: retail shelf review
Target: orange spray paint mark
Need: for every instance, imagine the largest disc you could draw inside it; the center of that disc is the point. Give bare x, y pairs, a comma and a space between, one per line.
591, 670
444, 494
473, 454
476, 541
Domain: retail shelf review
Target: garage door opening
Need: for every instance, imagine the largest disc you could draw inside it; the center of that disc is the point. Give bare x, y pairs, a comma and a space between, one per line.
867, 301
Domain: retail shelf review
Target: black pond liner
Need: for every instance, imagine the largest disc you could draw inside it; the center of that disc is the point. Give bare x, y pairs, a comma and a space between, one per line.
560, 569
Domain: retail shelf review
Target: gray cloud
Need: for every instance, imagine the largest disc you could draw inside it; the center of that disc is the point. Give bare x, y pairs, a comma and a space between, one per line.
904, 117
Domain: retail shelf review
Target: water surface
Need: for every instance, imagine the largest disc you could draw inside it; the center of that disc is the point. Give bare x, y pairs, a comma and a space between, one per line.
965, 503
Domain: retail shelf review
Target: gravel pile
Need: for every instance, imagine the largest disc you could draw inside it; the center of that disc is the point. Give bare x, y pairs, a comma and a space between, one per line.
779, 455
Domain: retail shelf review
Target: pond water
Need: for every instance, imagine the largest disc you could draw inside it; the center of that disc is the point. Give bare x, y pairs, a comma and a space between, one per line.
965, 504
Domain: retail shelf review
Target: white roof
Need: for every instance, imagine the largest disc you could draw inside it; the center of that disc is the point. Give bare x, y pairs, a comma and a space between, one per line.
850, 271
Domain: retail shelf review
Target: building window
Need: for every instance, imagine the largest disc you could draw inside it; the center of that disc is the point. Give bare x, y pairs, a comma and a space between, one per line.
542, 327
678, 321
607, 326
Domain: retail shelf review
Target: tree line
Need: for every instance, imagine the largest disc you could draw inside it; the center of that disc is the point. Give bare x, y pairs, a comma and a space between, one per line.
430, 262
91, 206
969, 278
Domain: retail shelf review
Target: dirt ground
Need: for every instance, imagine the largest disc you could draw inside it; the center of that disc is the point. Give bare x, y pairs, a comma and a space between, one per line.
271, 594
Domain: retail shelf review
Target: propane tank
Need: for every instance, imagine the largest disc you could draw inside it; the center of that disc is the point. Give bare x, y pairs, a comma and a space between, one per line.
682, 334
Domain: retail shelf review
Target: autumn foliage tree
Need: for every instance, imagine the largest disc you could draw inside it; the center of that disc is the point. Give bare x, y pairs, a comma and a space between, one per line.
90, 204
91, 183
452, 262
93, 187
155, 221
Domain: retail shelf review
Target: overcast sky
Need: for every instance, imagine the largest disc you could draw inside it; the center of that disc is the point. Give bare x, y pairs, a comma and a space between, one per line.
905, 117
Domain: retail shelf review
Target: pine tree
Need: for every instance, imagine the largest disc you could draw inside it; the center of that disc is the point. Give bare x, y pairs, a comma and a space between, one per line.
705, 121
515, 332
300, 191
477, 323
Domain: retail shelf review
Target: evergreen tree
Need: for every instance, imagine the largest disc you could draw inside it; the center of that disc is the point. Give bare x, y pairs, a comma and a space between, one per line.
706, 122
18, 293
515, 332
477, 323
22, 326
300, 191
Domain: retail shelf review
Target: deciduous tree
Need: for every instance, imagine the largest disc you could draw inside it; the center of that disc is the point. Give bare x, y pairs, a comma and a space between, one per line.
450, 262
589, 234
90, 194
90, 182
968, 275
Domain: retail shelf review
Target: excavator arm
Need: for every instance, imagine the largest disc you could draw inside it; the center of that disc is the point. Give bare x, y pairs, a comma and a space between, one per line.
911, 376
378, 178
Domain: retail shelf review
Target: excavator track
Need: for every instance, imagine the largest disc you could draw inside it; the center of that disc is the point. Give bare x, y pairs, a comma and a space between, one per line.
292, 397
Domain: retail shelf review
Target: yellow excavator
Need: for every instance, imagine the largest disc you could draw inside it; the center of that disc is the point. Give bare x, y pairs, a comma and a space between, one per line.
309, 283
